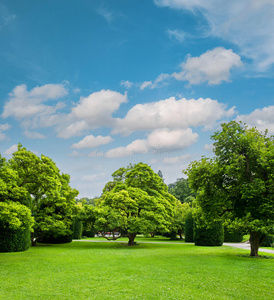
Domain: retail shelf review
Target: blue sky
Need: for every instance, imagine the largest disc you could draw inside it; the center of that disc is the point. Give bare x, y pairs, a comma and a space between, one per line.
96, 85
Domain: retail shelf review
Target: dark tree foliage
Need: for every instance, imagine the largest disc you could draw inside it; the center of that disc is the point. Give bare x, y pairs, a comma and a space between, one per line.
181, 190
189, 228
209, 236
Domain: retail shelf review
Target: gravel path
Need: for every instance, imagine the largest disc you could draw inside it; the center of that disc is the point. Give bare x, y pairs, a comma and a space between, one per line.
247, 247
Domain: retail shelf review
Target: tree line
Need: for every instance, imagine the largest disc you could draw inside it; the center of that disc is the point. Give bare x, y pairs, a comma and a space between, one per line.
234, 189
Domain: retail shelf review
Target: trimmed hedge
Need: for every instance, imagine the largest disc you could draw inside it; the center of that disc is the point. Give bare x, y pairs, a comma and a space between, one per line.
233, 235
213, 236
77, 229
61, 239
189, 227
14, 240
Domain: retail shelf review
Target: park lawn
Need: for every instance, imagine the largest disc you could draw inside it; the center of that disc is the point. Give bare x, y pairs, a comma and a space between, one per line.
87, 270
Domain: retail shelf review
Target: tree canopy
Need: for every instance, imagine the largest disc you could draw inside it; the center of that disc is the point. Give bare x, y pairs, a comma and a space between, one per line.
37, 183
181, 190
237, 185
136, 201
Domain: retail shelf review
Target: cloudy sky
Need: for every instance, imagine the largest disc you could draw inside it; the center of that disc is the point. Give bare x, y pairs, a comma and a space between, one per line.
96, 85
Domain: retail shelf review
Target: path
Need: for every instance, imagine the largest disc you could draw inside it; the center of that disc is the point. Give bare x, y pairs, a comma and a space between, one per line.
236, 245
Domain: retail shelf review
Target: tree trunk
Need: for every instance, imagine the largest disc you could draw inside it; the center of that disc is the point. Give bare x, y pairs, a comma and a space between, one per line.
180, 233
131, 237
256, 239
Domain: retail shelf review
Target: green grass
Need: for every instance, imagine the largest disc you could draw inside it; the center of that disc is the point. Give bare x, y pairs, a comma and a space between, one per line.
86, 270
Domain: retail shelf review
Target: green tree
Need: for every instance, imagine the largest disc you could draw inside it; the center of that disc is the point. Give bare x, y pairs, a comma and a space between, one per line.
180, 213
136, 201
181, 190
237, 184
51, 199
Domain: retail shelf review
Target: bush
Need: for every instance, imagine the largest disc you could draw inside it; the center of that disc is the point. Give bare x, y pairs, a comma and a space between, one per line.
212, 236
61, 239
77, 229
15, 225
268, 241
14, 240
233, 235
189, 224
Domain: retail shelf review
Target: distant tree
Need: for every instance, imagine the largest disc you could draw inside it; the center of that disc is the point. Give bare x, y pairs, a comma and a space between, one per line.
181, 190
136, 201
237, 184
161, 175
180, 213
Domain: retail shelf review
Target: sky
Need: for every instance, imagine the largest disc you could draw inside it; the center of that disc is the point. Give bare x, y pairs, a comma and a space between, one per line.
97, 85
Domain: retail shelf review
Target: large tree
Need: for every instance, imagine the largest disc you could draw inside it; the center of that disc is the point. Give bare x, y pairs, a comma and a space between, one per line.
237, 185
51, 199
181, 190
136, 201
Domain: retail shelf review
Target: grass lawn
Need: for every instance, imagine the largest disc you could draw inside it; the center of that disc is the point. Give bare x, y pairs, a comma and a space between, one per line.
86, 270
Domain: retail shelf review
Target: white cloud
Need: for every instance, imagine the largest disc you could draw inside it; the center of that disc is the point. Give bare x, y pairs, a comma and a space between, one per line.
97, 109
179, 35
95, 153
127, 84
136, 147
106, 14
160, 141
11, 150
166, 139
34, 135
4, 127
74, 129
172, 114
29, 107
91, 141
247, 23
212, 66
262, 119
161, 79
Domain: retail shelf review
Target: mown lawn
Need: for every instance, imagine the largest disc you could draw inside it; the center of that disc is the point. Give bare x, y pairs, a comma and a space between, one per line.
87, 270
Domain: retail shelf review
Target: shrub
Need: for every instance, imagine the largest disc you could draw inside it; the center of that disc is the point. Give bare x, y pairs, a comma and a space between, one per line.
212, 236
189, 224
233, 235
268, 242
15, 225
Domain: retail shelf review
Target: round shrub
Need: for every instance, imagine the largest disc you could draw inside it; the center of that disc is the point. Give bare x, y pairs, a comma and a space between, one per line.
268, 241
212, 236
233, 235
15, 225
189, 225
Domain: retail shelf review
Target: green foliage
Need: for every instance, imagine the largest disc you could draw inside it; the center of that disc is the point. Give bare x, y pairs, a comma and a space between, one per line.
268, 241
189, 228
136, 201
181, 190
209, 236
233, 235
237, 184
178, 222
77, 229
52, 200
14, 240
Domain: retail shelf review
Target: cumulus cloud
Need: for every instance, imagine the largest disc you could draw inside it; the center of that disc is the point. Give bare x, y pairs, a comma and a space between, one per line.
29, 106
91, 141
136, 147
74, 129
160, 140
247, 23
262, 119
209, 147
166, 139
172, 114
212, 66
97, 109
